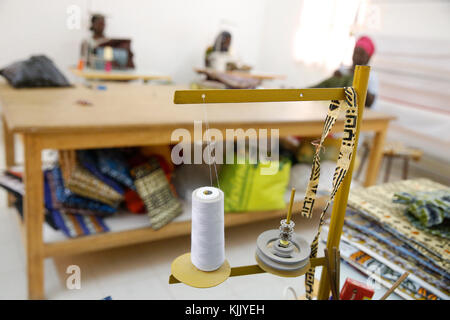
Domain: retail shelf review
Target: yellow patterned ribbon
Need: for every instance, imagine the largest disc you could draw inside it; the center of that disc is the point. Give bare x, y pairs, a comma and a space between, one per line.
343, 163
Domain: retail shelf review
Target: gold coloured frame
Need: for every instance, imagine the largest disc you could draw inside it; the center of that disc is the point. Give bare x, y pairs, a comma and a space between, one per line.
360, 82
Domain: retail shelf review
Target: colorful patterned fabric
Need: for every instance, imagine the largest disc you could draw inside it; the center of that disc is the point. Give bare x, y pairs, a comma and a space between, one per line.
52, 201
376, 203
378, 271
75, 225
72, 225
371, 234
154, 189
350, 108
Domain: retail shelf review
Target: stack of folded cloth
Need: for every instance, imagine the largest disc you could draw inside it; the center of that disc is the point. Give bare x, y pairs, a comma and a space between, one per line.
88, 185
397, 227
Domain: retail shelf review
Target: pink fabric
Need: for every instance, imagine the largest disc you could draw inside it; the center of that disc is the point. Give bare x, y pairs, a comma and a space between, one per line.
367, 44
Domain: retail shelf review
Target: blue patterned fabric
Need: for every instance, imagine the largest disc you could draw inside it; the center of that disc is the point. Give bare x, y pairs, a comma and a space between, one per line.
88, 159
113, 164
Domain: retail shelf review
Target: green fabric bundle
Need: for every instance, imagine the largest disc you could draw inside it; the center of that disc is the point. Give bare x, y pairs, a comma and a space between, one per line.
247, 189
429, 211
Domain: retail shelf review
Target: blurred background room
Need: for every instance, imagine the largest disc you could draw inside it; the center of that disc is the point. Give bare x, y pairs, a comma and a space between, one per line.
95, 81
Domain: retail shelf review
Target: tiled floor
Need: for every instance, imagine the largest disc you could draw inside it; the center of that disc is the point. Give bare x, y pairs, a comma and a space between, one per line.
142, 271
138, 272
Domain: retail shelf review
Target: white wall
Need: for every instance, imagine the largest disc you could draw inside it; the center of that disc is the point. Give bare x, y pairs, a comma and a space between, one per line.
406, 28
167, 36
413, 63
399, 19
277, 47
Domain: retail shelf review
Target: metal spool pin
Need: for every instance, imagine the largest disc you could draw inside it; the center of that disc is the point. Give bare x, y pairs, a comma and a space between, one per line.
281, 252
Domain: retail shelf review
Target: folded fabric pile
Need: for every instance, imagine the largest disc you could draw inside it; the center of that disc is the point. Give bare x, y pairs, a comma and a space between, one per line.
383, 240
88, 185
138, 180
73, 215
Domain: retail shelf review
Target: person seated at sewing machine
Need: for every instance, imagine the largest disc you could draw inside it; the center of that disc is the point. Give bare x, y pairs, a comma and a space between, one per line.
343, 77
219, 61
220, 57
98, 48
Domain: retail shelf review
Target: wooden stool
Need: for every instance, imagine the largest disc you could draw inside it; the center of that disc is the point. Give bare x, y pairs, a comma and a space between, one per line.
392, 150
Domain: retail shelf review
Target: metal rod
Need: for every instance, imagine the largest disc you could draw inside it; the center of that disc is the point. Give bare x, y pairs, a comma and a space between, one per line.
257, 95
255, 269
360, 82
331, 273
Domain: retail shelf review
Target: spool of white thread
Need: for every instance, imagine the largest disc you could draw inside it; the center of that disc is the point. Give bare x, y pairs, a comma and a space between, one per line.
207, 229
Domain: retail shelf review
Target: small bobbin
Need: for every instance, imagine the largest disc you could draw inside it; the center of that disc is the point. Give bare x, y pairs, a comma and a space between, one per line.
286, 232
281, 252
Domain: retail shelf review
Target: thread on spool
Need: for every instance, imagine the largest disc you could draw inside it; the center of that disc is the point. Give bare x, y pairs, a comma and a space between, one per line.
207, 229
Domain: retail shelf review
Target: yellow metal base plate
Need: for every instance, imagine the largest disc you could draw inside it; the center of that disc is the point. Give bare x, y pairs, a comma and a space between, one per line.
186, 272
282, 273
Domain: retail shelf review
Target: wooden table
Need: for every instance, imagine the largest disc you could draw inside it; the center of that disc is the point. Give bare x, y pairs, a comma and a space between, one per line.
135, 115
115, 75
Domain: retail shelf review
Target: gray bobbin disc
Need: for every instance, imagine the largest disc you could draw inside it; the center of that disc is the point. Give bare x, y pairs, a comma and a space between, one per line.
292, 258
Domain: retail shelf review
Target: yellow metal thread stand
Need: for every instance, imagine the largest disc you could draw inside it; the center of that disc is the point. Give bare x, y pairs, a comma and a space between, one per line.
360, 81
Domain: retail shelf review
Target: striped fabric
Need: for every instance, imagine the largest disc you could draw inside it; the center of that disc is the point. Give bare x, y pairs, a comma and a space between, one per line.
154, 189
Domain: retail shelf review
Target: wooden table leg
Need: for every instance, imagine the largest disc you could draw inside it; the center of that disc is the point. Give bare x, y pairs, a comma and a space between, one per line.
376, 154
363, 160
8, 140
387, 173
405, 167
34, 217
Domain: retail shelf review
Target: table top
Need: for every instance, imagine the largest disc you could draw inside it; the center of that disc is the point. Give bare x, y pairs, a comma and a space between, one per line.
88, 73
125, 106
243, 74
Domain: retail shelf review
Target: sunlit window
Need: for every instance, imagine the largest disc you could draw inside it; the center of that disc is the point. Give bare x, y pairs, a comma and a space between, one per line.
325, 34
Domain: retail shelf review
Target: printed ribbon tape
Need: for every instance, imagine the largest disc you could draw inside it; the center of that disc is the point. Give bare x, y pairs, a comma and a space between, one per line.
343, 163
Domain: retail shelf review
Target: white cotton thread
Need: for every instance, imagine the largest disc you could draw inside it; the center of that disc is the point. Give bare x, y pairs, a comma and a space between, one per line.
207, 229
